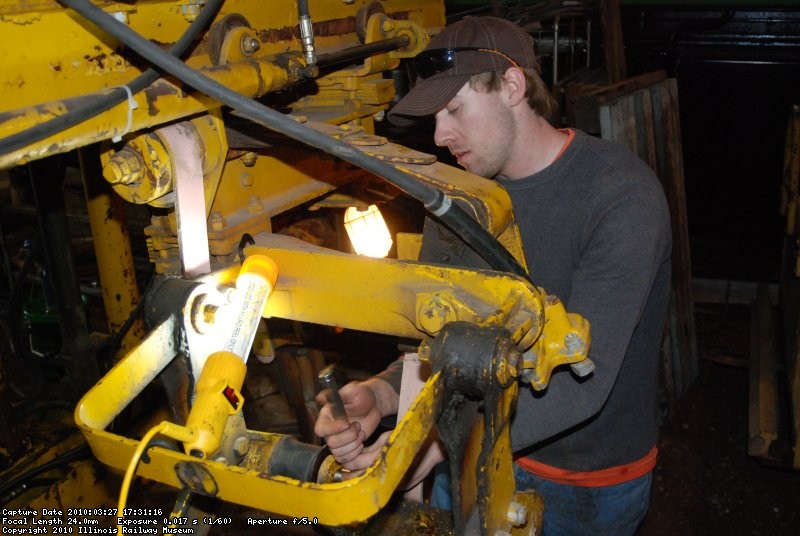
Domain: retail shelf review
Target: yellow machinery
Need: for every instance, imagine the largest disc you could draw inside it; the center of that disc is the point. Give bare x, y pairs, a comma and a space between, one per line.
179, 106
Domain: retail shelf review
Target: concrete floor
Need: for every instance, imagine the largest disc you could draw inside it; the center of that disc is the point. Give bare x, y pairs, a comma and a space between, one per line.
705, 483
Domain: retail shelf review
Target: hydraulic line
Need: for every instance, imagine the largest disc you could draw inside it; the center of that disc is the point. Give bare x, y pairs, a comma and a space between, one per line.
307, 33
77, 453
438, 203
362, 51
105, 101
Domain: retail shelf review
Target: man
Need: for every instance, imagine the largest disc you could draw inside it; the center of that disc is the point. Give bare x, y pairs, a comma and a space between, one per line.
596, 232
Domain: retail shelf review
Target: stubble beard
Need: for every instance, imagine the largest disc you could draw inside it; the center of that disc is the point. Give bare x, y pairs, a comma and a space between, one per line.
495, 154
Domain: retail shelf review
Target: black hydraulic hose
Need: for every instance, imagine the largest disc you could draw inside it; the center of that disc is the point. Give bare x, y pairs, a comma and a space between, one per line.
438, 203
306, 27
362, 51
106, 101
302, 8
30, 409
77, 453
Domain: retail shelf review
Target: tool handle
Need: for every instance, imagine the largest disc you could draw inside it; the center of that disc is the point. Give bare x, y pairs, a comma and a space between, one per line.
330, 390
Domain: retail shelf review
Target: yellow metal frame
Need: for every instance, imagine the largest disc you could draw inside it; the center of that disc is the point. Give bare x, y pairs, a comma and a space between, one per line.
422, 300
56, 75
364, 495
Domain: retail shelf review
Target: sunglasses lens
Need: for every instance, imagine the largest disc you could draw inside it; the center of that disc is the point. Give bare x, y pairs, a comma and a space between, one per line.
439, 60
429, 63
436, 62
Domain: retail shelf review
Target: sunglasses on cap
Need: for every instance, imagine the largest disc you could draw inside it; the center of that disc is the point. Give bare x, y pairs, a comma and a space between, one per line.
438, 60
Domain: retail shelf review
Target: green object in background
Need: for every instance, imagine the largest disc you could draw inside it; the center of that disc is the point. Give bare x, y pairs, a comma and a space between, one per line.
43, 329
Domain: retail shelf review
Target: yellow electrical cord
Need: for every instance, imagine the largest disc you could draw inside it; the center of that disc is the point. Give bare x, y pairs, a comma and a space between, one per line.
171, 430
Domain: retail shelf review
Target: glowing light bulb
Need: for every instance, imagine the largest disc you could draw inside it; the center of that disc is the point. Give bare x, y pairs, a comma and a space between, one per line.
367, 231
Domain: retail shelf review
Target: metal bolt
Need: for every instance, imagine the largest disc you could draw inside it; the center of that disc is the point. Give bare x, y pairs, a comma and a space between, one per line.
574, 343
125, 167
531, 357
387, 25
424, 352
583, 368
190, 12
241, 445
254, 205
249, 159
434, 314
247, 179
517, 514
528, 376
217, 222
250, 44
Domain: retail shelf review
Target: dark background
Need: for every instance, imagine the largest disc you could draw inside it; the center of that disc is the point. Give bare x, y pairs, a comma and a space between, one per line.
738, 72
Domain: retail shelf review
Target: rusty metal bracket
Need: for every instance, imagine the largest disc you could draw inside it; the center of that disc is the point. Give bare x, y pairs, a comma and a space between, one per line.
479, 367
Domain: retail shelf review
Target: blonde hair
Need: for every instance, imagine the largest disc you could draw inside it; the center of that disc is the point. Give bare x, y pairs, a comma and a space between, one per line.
536, 91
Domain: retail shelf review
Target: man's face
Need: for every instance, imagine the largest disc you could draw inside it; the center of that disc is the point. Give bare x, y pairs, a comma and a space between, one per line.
477, 127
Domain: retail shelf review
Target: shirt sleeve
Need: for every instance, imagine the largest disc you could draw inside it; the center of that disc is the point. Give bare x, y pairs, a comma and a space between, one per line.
624, 247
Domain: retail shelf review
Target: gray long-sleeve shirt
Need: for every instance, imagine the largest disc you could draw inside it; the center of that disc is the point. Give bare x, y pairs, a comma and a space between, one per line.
596, 233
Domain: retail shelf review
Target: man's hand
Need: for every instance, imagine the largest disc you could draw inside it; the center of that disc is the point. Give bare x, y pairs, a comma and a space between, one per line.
365, 403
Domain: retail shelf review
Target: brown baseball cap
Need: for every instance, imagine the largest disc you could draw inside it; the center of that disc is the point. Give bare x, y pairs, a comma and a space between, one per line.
470, 46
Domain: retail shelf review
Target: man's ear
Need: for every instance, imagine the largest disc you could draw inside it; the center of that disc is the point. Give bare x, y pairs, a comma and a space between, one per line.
515, 85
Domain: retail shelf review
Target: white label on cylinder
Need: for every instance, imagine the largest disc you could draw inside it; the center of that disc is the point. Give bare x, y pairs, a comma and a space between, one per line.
248, 303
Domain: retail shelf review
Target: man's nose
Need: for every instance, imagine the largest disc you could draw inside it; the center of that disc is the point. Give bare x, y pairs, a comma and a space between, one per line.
443, 134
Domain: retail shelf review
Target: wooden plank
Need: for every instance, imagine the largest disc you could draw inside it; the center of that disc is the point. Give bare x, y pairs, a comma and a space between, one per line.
669, 168
768, 377
763, 399
645, 134
794, 396
609, 92
790, 286
570, 88
611, 24
755, 445
606, 123
585, 100
791, 172
667, 376
726, 292
617, 122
